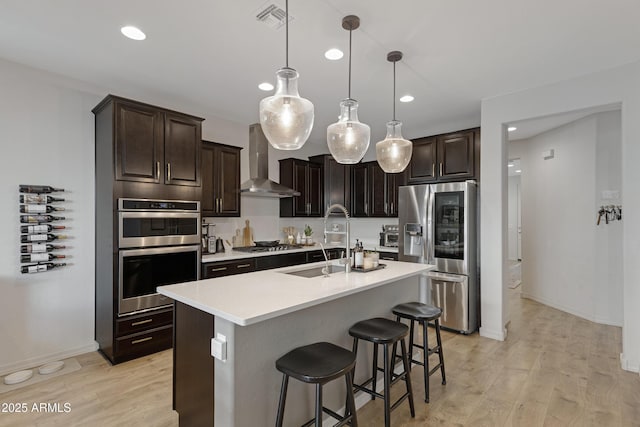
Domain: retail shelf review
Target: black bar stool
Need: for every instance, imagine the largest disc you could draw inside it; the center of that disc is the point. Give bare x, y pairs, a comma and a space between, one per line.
318, 364
423, 314
384, 331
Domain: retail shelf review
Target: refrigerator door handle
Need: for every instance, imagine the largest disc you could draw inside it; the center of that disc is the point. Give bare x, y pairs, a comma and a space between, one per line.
448, 277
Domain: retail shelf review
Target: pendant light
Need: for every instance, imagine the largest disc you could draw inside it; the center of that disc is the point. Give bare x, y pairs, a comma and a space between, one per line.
348, 139
394, 152
285, 117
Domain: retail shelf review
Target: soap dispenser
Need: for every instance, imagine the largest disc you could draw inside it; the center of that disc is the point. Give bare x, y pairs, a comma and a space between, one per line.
359, 255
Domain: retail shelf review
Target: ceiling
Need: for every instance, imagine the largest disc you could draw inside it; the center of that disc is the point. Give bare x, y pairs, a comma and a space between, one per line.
211, 55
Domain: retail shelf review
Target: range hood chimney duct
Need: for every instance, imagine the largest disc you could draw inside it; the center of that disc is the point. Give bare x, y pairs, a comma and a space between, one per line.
259, 185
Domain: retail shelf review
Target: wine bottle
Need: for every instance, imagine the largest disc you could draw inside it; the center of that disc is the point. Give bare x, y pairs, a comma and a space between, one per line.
36, 219
39, 189
38, 268
38, 198
35, 248
39, 257
42, 228
39, 209
27, 238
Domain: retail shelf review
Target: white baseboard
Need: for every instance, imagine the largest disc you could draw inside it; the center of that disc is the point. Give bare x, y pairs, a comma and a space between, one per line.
628, 365
41, 360
499, 335
586, 316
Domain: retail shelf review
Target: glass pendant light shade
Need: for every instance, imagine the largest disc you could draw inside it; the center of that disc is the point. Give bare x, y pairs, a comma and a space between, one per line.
394, 152
348, 139
286, 118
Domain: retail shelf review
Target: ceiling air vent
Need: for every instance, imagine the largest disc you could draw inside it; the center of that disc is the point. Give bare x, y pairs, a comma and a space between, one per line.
272, 15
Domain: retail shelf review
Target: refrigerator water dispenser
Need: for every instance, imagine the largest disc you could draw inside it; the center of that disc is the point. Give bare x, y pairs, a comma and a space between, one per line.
413, 241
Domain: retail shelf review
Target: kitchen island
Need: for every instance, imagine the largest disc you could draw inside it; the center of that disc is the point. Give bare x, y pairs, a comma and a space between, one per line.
260, 316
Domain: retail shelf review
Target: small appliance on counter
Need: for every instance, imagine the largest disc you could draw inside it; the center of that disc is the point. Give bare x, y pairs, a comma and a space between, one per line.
389, 236
211, 239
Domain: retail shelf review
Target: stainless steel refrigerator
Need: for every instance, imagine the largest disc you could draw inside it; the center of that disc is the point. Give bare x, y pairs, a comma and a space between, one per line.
438, 226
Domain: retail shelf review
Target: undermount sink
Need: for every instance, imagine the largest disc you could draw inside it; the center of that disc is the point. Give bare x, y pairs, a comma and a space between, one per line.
315, 271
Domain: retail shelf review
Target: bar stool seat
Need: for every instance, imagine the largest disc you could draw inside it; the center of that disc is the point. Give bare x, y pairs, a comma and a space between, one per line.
318, 364
385, 332
423, 314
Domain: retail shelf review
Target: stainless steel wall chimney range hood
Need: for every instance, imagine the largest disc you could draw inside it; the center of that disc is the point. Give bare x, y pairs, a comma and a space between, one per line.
259, 185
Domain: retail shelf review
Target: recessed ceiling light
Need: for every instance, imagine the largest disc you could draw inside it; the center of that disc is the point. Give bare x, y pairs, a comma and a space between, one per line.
510, 165
333, 54
134, 33
265, 86
407, 98
511, 128
518, 170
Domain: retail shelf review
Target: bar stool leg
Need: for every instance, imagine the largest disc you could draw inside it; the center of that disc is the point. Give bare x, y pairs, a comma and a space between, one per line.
444, 378
318, 405
425, 359
411, 345
283, 398
351, 403
387, 386
407, 377
375, 368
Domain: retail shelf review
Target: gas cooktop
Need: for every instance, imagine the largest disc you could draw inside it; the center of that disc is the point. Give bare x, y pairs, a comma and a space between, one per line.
275, 248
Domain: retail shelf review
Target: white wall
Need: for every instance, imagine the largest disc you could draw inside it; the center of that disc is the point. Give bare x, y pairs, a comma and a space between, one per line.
514, 213
47, 137
563, 265
620, 85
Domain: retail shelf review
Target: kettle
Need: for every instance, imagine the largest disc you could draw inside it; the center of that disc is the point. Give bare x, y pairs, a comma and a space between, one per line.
219, 245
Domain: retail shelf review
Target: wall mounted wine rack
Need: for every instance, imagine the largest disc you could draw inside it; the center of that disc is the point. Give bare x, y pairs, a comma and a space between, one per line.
40, 222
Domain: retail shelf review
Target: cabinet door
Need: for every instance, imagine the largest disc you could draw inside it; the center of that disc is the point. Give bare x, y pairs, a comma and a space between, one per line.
378, 205
139, 144
208, 202
394, 181
422, 167
314, 189
182, 139
359, 196
300, 207
455, 155
336, 183
229, 181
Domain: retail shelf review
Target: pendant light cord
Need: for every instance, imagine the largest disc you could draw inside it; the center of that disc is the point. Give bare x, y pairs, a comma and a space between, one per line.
394, 91
286, 32
350, 31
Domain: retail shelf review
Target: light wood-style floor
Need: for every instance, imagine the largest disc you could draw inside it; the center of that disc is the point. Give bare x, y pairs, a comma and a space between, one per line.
554, 370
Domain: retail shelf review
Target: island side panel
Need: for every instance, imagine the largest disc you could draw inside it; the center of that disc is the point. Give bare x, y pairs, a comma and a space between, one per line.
193, 366
253, 399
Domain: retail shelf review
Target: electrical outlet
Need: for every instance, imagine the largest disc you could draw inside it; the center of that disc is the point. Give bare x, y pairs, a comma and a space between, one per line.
219, 347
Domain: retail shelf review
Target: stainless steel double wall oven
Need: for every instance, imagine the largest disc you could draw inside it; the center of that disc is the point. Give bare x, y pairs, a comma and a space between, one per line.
158, 244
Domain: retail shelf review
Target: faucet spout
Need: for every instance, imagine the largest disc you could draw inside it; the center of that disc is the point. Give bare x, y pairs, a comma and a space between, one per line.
337, 206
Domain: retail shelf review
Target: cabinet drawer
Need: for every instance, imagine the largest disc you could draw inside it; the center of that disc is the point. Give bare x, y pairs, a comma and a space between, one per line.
284, 260
142, 322
145, 342
219, 269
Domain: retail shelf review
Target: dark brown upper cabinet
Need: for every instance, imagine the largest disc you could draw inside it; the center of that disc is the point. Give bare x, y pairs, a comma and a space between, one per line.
449, 157
220, 180
305, 177
374, 192
337, 181
155, 145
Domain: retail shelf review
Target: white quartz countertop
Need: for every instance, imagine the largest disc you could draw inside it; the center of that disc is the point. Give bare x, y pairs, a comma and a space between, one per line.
231, 254
249, 298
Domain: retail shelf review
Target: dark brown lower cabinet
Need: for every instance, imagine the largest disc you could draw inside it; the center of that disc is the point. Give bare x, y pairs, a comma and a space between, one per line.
193, 366
388, 256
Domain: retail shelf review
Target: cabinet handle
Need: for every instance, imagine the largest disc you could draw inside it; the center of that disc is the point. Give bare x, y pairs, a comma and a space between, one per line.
440, 168
433, 170
157, 171
168, 172
220, 208
217, 269
141, 340
142, 322
243, 265
392, 211
385, 208
387, 258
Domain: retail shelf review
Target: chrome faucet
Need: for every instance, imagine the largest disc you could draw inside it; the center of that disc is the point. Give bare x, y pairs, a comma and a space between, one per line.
346, 261
325, 269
